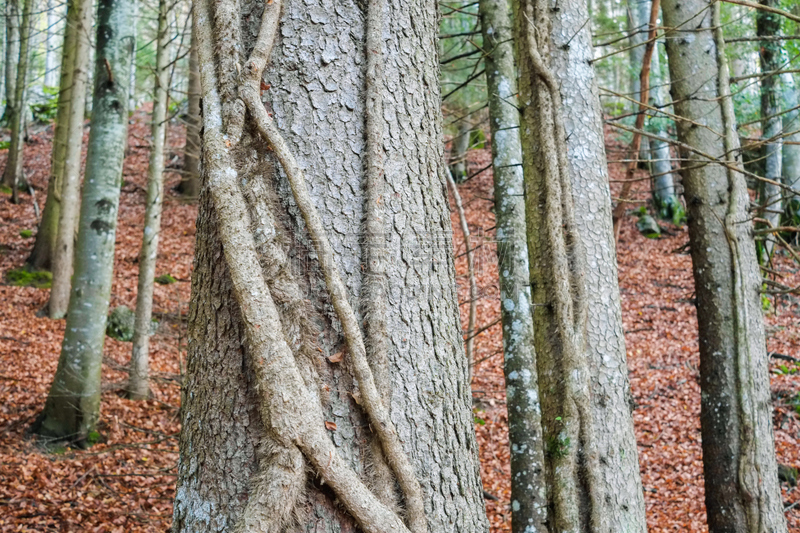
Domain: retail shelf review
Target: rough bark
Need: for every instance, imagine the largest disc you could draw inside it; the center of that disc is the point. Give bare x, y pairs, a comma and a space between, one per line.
611, 499
13, 16
18, 107
138, 387
528, 490
770, 51
44, 248
741, 480
68, 213
190, 181
318, 100
73, 403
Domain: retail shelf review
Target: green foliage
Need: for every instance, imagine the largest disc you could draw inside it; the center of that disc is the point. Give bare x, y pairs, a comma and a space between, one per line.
165, 279
5, 145
477, 139
24, 277
47, 110
5, 189
672, 210
94, 437
479, 421
647, 225
26, 233
558, 446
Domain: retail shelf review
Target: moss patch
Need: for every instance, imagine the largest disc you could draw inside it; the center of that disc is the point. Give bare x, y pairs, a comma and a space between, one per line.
26, 233
22, 277
165, 279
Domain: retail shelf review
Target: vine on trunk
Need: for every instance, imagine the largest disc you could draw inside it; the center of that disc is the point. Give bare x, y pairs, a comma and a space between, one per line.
576, 456
289, 403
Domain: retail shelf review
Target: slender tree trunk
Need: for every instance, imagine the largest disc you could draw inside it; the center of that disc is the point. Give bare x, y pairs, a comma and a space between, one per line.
665, 196
44, 248
52, 56
138, 387
791, 149
132, 74
741, 479
13, 12
63, 256
13, 171
770, 53
458, 152
638, 17
591, 455
190, 182
73, 403
528, 490
243, 461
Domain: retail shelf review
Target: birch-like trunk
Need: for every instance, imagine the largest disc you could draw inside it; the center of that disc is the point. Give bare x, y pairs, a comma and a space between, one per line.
138, 387
638, 18
18, 107
791, 149
528, 491
741, 478
603, 492
53, 41
73, 403
317, 95
770, 54
13, 14
44, 248
63, 255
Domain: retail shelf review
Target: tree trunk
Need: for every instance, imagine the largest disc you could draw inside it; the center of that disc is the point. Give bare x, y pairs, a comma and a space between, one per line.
791, 149
73, 403
741, 479
63, 256
138, 387
528, 491
638, 18
18, 108
459, 149
770, 52
44, 248
13, 12
190, 181
53, 41
233, 446
590, 450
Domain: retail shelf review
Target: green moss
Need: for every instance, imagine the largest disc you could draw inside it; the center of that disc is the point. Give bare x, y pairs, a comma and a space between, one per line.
165, 279
26, 233
5, 189
23, 277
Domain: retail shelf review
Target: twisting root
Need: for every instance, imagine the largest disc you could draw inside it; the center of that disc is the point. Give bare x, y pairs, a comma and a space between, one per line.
748, 462
568, 287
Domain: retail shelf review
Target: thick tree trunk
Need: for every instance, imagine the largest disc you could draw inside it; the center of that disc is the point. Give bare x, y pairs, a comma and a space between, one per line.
587, 432
13, 13
73, 403
63, 255
318, 98
138, 387
18, 108
190, 182
741, 479
528, 491
770, 52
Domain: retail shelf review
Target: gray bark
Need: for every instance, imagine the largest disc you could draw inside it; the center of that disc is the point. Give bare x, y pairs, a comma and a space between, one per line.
13, 14
459, 149
317, 99
617, 491
44, 248
19, 106
71, 169
770, 52
791, 149
73, 403
741, 481
53, 41
638, 18
528, 490
138, 387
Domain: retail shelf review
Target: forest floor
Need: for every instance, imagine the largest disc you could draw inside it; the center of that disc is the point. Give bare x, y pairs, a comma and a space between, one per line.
125, 483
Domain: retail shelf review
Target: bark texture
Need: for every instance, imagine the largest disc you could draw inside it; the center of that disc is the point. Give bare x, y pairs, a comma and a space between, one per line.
13, 19
73, 403
741, 480
53, 41
68, 213
138, 384
613, 501
318, 99
45, 245
769, 25
190, 182
528, 490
